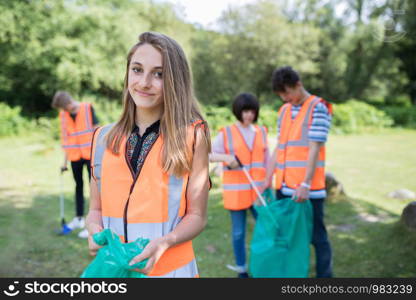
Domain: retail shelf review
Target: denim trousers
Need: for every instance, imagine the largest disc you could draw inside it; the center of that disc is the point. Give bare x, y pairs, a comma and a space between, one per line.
238, 220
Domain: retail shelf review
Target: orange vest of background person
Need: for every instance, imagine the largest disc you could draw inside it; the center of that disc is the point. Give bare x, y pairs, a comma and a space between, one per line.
293, 147
148, 206
76, 135
238, 193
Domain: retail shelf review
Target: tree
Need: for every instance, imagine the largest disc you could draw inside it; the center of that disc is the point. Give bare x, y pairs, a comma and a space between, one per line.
79, 46
253, 40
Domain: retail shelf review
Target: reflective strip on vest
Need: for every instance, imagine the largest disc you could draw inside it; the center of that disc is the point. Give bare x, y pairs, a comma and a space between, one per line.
230, 140
264, 134
279, 120
81, 132
99, 153
248, 167
87, 116
299, 164
77, 146
241, 187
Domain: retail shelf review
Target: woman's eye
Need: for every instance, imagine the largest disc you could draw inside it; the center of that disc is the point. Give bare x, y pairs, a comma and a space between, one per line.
136, 70
158, 74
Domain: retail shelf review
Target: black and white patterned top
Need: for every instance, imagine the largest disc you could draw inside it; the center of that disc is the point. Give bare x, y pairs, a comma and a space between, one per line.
139, 146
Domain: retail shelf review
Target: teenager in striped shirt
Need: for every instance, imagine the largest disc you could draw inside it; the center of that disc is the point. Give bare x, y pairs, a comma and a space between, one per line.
299, 158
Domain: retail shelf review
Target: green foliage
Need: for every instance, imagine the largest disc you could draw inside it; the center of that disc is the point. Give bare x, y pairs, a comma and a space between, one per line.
268, 118
11, 121
356, 116
254, 40
29, 203
402, 116
48, 128
81, 46
218, 117
78, 46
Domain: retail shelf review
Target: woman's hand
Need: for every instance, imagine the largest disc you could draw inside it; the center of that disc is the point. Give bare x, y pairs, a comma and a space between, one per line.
232, 162
92, 246
94, 222
266, 184
153, 251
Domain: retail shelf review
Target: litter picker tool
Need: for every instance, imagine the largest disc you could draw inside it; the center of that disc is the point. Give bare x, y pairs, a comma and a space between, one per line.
64, 230
263, 202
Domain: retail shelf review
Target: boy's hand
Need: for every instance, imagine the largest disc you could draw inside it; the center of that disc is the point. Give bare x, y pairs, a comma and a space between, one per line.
301, 194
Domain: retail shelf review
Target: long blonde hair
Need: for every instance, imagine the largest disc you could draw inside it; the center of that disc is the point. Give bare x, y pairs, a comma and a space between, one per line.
180, 107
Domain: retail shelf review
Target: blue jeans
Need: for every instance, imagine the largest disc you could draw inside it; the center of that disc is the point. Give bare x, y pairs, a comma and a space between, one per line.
238, 220
320, 241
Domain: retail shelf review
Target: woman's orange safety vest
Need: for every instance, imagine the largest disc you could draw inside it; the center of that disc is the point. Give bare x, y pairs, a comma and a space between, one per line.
148, 206
76, 135
293, 148
238, 193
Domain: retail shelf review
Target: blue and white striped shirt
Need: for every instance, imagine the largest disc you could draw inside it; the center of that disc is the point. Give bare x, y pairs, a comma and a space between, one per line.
318, 132
321, 122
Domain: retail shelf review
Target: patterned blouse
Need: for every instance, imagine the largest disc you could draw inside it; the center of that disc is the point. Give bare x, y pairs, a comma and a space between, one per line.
139, 146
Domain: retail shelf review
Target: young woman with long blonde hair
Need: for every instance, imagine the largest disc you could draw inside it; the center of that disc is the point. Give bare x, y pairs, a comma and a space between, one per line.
150, 169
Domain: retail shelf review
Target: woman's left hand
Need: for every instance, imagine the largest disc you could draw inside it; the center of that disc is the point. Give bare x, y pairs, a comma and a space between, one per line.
153, 251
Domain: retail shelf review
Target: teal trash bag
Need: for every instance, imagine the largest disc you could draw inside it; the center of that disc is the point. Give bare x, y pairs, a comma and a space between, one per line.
281, 238
112, 260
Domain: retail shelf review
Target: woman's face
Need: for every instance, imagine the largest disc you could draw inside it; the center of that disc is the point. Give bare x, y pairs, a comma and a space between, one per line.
145, 81
248, 116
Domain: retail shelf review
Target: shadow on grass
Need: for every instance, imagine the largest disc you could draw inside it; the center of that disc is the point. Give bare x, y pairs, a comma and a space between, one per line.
369, 241
30, 245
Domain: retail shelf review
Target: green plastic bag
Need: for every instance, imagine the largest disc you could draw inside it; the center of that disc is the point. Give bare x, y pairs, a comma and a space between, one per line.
281, 238
112, 260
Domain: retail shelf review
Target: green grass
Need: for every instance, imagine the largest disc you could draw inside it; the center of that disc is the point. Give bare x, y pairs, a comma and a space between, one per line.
367, 239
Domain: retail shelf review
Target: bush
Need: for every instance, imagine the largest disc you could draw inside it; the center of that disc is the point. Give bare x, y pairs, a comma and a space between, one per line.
355, 116
48, 127
268, 118
217, 117
351, 117
11, 121
402, 116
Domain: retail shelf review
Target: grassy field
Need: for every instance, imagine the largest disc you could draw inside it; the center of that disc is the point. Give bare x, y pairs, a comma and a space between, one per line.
366, 237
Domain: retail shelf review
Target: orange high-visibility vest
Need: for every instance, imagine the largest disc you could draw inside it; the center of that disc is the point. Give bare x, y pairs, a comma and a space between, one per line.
238, 193
293, 147
148, 206
76, 135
